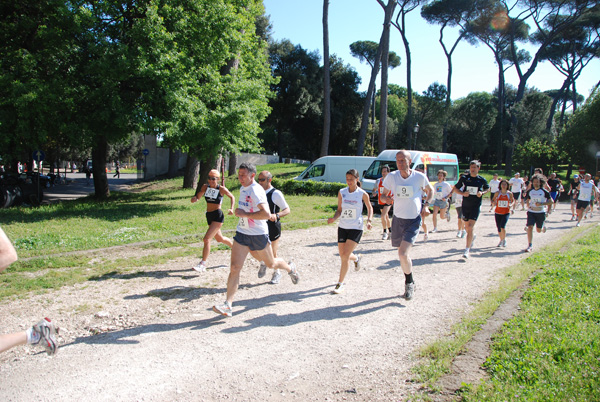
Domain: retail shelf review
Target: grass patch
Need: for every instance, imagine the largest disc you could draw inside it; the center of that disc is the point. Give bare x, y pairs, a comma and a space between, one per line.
551, 349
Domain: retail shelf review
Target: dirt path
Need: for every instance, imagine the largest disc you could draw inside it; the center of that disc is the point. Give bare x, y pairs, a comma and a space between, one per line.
152, 336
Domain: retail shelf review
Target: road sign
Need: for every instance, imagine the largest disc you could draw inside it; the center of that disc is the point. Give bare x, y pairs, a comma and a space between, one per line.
146, 151
39, 155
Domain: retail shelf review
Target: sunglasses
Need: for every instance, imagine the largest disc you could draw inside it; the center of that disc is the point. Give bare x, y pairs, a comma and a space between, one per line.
261, 180
213, 178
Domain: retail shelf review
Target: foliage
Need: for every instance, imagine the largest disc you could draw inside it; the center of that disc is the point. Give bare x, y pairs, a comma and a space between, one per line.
366, 51
308, 187
471, 120
537, 154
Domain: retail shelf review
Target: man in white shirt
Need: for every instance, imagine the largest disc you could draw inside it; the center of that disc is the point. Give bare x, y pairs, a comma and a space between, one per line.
251, 236
516, 184
408, 187
494, 188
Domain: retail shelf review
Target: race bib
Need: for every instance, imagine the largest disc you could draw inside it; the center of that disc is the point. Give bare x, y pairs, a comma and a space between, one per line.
534, 202
348, 214
243, 223
503, 204
472, 190
585, 194
212, 193
404, 191
438, 193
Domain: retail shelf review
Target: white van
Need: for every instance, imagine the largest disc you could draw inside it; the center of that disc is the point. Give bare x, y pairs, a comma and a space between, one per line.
430, 162
333, 169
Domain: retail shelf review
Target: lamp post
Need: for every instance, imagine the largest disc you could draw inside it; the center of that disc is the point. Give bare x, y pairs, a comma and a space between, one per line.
416, 131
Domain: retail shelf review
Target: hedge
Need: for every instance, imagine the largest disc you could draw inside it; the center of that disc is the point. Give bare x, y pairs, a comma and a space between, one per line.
307, 187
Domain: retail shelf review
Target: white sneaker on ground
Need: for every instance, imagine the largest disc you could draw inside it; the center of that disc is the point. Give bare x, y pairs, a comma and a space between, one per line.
223, 309
276, 277
294, 274
339, 288
409, 290
200, 267
459, 234
466, 254
384, 236
434, 230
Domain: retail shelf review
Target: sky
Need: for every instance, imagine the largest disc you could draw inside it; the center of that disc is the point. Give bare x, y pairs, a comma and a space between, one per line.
352, 20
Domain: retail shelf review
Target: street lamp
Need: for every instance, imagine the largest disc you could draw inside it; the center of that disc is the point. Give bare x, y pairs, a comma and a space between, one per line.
416, 131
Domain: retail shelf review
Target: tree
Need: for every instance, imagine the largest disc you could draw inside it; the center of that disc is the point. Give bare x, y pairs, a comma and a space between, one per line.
431, 116
326, 82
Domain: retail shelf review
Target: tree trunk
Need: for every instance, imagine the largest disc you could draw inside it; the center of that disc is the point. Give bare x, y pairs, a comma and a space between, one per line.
512, 135
385, 53
205, 167
558, 96
233, 162
326, 82
173, 163
501, 103
409, 95
190, 178
99, 168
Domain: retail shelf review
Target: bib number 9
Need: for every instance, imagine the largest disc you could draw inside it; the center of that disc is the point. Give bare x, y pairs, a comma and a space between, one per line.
404, 192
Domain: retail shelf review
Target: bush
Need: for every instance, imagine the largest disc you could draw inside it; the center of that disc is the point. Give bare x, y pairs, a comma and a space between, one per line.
307, 187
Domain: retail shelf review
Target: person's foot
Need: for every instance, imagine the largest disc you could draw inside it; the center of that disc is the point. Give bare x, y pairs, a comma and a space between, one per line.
409, 290
500, 244
339, 288
262, 270
357, 263
504, 243
200, 267
47, 335
223, 309
384, 236
434, 230
448, 216
294, 274
572, 217
529, 249
459, 234
578, 224
466, 254
464, 233
276, 277
544, 229
425, 237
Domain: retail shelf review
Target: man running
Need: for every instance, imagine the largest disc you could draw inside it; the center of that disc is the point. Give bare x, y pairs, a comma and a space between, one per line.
407, 186
538, 198
516, 186
494, 188
587, 192
554, 186
251, 236
474, 187
278, 208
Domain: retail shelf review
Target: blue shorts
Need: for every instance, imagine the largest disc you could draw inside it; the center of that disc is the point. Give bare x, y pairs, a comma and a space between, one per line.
405, 230
554, 195
253, 242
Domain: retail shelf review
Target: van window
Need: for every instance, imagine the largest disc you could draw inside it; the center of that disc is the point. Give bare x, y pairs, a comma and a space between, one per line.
315, 171
374, 171
432, 171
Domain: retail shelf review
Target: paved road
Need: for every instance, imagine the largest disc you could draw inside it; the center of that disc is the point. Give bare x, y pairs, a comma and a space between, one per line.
77, 186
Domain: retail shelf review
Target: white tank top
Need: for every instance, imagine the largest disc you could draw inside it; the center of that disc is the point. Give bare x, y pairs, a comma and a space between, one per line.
352, 206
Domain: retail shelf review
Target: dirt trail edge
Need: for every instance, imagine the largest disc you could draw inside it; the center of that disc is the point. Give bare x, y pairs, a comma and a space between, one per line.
151, 335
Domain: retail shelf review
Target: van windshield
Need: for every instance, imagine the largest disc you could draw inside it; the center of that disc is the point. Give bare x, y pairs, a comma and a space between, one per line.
313, 171
374, 171
432, 171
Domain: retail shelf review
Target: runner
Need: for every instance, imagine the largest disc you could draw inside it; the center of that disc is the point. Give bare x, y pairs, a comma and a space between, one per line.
494, 183
574, 194
408, 187
385, 208
251, 236
350, 229
213, 194
503, 201
587, 192
278, 208
461, 232
537, 200
555, 185
442, 192
516, 187
43, 333
475, 187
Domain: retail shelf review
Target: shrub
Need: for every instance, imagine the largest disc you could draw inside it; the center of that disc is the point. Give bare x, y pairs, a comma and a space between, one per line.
307, 187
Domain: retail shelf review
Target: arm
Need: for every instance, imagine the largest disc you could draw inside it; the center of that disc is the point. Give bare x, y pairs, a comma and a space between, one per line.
284, 208
8, 254
429, 193
338, 212
367, 203
263, 213
223, 190
199, 193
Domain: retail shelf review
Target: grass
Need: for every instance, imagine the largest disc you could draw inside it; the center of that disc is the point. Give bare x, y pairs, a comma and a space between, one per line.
551, 349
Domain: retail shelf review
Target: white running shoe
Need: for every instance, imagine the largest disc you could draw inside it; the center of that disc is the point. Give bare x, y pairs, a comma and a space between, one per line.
529, 249
384, 236
434, 230
223, 309
466, 254
200, 267
294, 274
357, 263
464, 233
276, 277
500, 244
504, 243
459, 234
448, 216
409, 290
339, 288
262, 271
47, 335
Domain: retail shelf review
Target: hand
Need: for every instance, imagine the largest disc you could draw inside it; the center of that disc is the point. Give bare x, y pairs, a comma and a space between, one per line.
369, 226
194, 199
479, 194
273, 217
240, 213
330, 220
465, 193
230, 212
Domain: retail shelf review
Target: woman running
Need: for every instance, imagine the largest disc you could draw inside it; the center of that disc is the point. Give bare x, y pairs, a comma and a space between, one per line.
503, 200
350, 205
441, 191
213, 193
386, 223
574, 195
537, 200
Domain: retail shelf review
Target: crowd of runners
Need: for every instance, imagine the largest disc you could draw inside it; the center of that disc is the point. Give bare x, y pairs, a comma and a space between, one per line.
406, 191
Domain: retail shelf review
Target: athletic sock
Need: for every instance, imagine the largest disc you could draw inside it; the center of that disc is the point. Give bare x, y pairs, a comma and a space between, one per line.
408, 278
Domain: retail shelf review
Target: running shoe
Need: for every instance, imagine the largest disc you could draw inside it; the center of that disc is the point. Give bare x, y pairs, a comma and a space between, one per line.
425, 237
578, 224
459, 234
434, 230
357, 263
339, 288
572, 217
544, 229
384, 236
200, 267
276, 277
529, 249
294, 274
500, 244
464, 233
466, 254
448, 216
409, 290
47, 335
262, 271
223, 309
473, 241
504, 243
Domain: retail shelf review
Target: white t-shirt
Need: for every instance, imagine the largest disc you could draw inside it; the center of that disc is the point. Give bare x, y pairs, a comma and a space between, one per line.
516, 185
250, 198
495, 185
278, 199
352, 206
540, 196
407, 192
585, 191
441, 190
